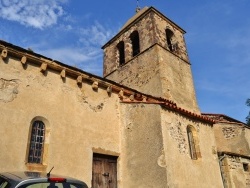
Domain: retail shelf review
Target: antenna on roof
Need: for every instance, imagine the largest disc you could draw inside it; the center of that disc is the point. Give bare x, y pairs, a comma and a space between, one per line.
137, 7
48, 174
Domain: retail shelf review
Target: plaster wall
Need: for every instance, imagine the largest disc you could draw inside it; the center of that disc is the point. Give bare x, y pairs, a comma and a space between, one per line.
142, 147
182, 171
232, 138
78, 120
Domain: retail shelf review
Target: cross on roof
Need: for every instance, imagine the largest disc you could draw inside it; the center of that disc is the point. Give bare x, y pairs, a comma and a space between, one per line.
137, 7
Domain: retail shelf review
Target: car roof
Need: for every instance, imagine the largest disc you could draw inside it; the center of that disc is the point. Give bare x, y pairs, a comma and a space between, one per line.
28, 175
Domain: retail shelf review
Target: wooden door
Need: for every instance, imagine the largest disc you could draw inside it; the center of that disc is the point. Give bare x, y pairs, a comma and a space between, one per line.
104, 171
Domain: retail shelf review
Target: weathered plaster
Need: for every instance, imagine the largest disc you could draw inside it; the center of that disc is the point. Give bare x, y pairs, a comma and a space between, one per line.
232, 138
142, 154
8, 90
77, 124
182, 171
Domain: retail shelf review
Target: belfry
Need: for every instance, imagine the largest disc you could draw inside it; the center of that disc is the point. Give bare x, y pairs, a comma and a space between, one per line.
149, 54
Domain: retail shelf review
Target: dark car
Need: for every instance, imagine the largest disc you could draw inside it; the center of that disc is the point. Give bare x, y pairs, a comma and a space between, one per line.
38, 180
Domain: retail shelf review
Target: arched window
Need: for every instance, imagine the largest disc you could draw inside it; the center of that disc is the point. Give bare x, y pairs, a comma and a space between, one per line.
135, 43
36, 145
121, 52
169, 35
192, 142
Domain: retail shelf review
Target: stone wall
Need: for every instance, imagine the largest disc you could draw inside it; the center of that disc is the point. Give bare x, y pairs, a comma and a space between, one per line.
177, 81
157, 70
160, 73
152, 30
236, 171
177, 39
140, 74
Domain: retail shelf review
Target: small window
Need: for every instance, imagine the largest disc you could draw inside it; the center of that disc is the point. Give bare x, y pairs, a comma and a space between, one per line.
135, 43
169, 36
121, 52
36, 142
191, 142
245, 167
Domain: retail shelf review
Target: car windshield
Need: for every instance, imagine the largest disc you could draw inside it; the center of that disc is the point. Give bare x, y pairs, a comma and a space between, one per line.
51, 185
3, 183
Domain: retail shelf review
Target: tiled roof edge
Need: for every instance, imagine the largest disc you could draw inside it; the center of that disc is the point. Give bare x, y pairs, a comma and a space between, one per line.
223, 115
174, 107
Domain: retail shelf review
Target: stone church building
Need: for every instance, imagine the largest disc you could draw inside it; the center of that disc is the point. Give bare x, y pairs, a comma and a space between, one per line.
138, 126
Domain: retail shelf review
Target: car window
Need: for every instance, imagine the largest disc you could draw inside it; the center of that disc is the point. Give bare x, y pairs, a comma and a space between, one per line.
3, 183
51, 185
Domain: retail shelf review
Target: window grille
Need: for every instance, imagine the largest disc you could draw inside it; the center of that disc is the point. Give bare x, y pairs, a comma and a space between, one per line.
36, 142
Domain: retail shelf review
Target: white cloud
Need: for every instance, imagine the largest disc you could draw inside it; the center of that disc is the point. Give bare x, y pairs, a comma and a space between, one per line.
97, 34
89, 60
87, 53
71, 55
35, 13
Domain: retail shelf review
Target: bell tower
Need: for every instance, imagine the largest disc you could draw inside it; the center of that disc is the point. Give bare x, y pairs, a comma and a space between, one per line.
149, 54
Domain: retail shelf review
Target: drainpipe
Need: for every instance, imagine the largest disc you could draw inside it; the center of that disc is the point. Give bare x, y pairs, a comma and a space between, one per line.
221, 170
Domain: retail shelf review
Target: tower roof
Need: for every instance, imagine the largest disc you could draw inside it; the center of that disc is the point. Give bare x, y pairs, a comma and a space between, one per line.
137, 15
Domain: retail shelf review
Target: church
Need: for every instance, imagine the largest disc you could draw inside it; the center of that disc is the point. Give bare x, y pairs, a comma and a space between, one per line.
137, 126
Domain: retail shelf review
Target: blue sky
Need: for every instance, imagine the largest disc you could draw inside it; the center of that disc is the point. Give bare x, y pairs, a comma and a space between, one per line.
73, 31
